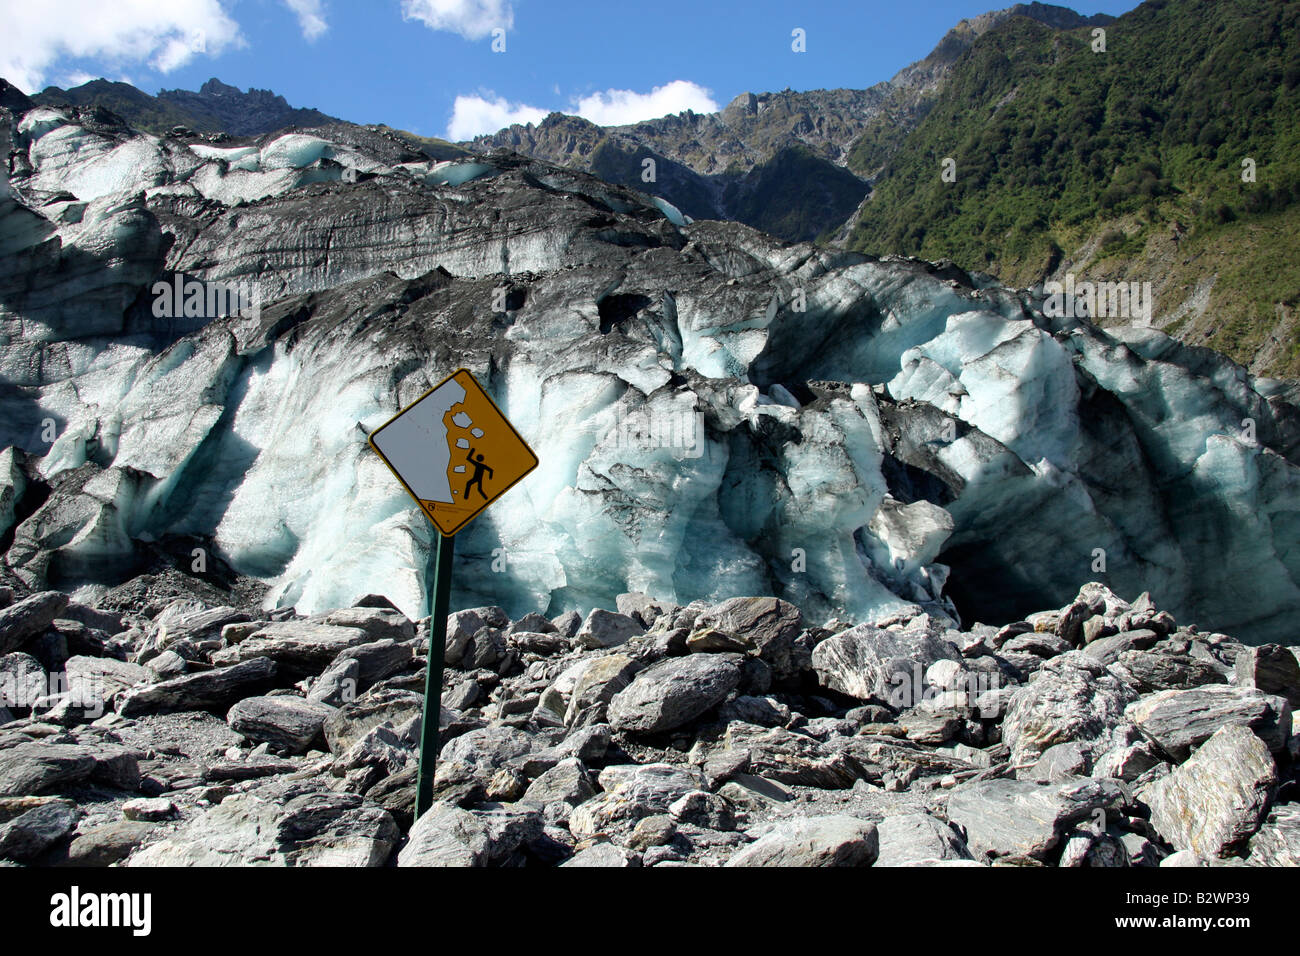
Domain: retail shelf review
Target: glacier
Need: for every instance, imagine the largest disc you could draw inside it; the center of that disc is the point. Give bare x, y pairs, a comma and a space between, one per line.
716, 413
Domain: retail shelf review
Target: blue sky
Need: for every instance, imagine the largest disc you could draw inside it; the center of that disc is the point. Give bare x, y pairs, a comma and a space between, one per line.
428, 65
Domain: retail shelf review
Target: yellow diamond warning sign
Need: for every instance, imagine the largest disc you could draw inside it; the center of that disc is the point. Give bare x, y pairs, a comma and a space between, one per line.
453, 451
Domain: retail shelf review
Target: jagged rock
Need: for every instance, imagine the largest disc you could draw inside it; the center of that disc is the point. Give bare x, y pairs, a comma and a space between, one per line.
763, 627
291, 724
22, 680
21, 622
1272, 669
588, 744
376, 661
911, 837
108, 844
13, 483
487, 648
833, 840
597, 681
34, 768
929, 728
339, 683
1179, 720
379, 623
868, 662
446, 835
674, 692
1150, 671
568, 623
180, 625
763, 711
1107, 649
604, 855
381, 752
167, 665
567, 782
544, 645
94, 682
750, 792
1072, 699
790, 757
282, 824
1036, 643
487, 749
37, 768
1021, 818
31, 834
1060, 762
607, 629
631, 792
206, 690
1127, 761
533, 623
658, 829
642, 608
700, 808
463, 625
396, 794
1277, 842
1216, 799
300, 648
149, 809
354, 720
109, 622
1095, 850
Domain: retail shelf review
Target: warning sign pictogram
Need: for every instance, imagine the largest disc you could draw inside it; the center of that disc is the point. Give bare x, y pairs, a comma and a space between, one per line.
453, 451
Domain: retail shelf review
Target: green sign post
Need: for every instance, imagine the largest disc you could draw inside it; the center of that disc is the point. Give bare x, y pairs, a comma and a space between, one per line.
433, 675
455, 453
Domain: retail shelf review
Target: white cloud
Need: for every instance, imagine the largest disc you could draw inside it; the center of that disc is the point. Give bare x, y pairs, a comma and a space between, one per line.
474, 115
165, 35
472, 19
75, 78
311, 18
619, 107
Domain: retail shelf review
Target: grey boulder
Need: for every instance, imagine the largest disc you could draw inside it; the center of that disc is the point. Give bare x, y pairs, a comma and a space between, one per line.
674, 692
283, 824
1022, 818
608, 629
819, 841
300, 648
1215, 800
31, 834
870, 662
207, 690
448, 836
1073, 699
21, 622
288, 723
908, 838
764, 627
1178, 721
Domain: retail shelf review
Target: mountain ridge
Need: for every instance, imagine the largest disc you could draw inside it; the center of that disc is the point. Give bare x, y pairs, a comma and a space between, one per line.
215, 107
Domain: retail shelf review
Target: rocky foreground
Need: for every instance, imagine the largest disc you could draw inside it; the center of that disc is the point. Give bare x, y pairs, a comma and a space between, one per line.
736, 734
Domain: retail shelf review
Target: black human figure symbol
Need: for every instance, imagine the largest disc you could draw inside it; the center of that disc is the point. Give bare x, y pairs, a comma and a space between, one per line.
479, 469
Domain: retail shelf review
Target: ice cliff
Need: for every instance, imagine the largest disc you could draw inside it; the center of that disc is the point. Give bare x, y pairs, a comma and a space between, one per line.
716, 413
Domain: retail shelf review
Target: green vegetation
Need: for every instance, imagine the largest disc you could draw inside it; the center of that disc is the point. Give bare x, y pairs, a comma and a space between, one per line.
1058, 147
